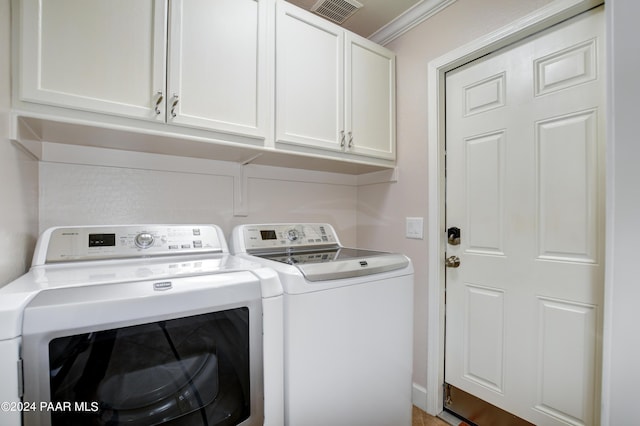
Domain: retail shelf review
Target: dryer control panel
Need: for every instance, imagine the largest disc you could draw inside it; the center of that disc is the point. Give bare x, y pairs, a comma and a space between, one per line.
128, 241
279, 237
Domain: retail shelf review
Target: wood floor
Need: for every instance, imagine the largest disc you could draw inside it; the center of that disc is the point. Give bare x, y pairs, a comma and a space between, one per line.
420, 418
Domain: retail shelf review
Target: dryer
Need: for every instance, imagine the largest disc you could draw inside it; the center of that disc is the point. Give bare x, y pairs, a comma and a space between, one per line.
348, 324
138, 325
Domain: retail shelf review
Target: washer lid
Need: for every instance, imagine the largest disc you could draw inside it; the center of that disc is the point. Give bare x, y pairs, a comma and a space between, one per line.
340, 263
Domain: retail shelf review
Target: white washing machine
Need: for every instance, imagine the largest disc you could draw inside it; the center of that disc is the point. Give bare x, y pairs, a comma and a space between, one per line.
348, 321
140, 325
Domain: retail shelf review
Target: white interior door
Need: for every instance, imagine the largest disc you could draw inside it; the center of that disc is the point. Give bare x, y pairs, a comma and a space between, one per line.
525, 185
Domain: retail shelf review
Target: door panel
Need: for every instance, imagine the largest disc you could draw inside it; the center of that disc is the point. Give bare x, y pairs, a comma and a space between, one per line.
525, 163
484, 345
567, 346
567, 169
484, 194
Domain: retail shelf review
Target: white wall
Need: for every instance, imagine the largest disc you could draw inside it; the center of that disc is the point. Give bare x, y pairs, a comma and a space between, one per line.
382, 208
18, 177
78, 194
622, 316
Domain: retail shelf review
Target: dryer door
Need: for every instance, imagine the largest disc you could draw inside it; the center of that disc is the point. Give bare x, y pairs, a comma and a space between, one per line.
130, 354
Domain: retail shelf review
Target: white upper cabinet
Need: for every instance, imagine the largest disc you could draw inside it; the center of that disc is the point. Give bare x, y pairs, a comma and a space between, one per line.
206, 68
370, 98
334, 90
94, 55
252, 78
309, 79
217, 58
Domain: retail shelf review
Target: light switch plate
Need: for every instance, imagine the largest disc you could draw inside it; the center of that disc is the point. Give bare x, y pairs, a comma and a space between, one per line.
415, 227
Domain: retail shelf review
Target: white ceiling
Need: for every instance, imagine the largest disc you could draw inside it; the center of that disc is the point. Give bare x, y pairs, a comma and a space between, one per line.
374, 14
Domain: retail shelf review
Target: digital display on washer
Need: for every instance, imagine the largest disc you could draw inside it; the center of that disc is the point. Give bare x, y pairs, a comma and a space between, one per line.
102, 240
268, 235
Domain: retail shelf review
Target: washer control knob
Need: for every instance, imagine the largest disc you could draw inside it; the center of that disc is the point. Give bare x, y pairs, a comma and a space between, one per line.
144, 240
292, 235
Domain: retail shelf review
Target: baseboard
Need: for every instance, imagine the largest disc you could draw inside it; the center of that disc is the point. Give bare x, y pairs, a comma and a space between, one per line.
419, 396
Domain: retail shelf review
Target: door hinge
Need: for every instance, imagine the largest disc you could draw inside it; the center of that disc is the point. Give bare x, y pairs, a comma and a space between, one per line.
447, 394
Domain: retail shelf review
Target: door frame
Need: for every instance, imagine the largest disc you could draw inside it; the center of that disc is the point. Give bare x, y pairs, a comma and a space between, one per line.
543, 18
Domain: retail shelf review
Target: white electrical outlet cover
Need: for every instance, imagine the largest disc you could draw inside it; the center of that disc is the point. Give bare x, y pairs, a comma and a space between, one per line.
415, 226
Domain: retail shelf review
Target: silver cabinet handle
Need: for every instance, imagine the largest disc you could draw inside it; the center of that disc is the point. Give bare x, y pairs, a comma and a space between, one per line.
341, 138
156, 108
173, 106
350, 140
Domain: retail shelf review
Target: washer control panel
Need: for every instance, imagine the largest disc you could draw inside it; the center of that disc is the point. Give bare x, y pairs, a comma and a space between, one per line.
283, 236
128, 241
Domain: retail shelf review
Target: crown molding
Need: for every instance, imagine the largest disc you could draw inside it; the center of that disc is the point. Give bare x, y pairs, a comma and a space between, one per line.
412, 17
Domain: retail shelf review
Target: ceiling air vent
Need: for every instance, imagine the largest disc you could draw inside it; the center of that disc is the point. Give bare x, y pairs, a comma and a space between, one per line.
336, 10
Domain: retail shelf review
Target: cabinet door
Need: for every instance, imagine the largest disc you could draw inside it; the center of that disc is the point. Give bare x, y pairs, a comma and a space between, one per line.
94, 55
370, 98
309, 79
217, 65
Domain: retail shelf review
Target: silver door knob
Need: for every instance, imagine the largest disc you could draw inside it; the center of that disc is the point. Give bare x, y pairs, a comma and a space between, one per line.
452, 262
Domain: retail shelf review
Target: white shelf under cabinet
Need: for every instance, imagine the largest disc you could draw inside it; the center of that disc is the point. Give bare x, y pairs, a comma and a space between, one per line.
35, 131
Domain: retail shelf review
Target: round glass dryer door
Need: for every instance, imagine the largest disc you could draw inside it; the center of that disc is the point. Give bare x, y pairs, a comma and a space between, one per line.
185, 371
